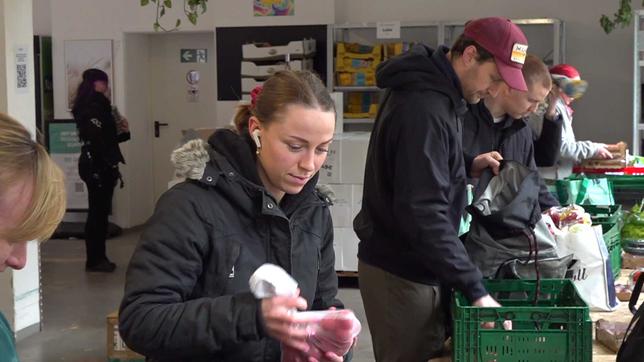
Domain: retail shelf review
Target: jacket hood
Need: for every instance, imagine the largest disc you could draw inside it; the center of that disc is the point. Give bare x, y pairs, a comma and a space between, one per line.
417, 70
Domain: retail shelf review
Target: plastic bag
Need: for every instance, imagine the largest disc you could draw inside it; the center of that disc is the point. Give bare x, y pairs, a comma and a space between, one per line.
328, 331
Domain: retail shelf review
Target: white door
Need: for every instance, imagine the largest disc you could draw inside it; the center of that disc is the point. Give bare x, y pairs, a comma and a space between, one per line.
171, 106
156, 90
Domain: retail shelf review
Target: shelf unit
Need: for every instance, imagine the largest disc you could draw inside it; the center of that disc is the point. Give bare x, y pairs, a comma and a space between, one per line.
546, 37
637, 125
365, 33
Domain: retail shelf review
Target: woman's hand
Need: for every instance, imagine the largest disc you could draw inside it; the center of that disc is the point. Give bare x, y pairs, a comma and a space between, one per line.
279, 319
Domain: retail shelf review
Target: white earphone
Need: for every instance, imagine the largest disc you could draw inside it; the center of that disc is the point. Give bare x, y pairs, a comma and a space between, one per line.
255, 136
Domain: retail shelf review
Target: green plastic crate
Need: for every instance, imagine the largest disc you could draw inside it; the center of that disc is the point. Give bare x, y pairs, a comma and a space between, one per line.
610, 217
557, 329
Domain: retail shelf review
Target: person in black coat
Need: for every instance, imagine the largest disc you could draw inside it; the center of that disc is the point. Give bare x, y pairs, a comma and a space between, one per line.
498, 123
250, 198
100, 133
414, 186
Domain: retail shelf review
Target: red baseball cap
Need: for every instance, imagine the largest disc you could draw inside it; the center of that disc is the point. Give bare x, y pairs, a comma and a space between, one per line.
506, 42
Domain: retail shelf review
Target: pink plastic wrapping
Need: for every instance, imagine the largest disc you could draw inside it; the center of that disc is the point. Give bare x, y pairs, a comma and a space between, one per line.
329, 331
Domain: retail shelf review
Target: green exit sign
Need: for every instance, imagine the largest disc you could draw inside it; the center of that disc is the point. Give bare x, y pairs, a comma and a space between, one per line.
193, 55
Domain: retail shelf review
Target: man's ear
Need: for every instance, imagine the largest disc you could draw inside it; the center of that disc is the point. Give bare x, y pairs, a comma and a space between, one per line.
470, 55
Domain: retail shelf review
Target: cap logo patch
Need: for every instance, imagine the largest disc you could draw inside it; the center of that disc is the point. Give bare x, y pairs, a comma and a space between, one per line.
519, 52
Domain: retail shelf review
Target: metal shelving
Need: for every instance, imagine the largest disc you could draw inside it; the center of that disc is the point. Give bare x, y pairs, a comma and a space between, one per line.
546, 35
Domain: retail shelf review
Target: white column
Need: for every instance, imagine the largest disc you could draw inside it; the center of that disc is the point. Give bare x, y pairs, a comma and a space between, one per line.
19, 290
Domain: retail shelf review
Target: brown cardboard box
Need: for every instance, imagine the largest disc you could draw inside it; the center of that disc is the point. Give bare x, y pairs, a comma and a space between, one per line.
117, 351
630, 261
610, 334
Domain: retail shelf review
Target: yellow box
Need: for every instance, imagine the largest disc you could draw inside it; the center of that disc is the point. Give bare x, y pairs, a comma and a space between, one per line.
354, 57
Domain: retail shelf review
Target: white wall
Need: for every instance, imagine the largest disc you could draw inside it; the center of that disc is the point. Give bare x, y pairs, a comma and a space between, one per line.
605, 61
42, 17
100, 19
20, 289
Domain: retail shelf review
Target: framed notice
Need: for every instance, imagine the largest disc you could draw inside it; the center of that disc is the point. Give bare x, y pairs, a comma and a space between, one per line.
64, 148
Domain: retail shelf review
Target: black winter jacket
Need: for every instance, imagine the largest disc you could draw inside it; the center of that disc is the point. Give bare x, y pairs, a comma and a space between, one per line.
414, 186
97, 131
512, 138
186, 294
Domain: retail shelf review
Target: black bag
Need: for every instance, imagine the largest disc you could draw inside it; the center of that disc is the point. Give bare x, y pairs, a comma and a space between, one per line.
632, 349
506, 220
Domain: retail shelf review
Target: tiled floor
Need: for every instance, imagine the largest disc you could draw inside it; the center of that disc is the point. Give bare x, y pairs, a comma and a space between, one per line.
75, 304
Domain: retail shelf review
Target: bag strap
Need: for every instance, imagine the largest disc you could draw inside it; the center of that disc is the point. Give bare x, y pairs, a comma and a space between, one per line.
583, 190
632, 303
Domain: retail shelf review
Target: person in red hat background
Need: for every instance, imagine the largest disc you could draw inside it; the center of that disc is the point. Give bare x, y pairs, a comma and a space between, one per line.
567, 87
414, 186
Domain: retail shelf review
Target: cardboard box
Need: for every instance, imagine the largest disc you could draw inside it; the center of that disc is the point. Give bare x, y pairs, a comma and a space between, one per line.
353, 157
341, 211
117, 351
345, 162
356, 200
337, 249
330, 171
631, 261
610, 334
348, 241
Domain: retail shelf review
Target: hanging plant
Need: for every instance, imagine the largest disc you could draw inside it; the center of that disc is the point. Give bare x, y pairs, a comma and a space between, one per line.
192, 9
621, 18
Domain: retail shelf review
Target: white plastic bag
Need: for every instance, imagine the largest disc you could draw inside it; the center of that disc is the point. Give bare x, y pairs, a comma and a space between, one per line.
592, 273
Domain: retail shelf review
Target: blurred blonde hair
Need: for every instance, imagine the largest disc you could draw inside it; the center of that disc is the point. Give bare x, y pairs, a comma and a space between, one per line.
20, 157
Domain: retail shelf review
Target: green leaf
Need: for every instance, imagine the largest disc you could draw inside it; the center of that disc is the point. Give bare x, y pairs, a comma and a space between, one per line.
606, 24
162, 11
144, 2
193, 18
178, 24
167, 3
156, 26
204, 6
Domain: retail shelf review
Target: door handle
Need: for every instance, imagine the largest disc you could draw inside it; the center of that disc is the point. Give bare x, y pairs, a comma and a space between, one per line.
158, 125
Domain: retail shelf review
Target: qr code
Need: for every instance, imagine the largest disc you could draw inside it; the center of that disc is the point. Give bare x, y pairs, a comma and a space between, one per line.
22, 75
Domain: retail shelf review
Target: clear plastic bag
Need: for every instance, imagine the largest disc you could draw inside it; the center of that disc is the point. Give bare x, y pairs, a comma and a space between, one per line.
328, 331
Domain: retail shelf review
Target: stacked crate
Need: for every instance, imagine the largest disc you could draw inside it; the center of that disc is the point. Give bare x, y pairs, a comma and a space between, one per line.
261, 60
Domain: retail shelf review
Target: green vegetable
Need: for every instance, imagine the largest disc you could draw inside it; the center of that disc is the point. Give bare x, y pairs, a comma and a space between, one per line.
634, 223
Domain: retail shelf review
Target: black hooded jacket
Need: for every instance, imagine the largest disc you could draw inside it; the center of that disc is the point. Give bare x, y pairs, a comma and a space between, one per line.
98, 132
512, 138
414, 186
186, 294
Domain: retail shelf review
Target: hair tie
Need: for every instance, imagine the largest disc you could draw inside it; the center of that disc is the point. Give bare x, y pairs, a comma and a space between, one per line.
254, 94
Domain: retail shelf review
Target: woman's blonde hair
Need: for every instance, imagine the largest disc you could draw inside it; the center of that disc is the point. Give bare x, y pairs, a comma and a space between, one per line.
20, 157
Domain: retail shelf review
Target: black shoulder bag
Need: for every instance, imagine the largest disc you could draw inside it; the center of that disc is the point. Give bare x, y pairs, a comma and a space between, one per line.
632, 349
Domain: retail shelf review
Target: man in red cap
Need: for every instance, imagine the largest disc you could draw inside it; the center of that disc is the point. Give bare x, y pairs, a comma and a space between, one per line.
569, 86
498, 123
414, 186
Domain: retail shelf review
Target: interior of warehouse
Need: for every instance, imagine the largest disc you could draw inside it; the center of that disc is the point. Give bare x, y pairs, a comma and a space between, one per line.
178, 72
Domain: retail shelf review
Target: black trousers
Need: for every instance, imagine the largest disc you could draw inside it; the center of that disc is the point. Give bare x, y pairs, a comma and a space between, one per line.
100, 191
